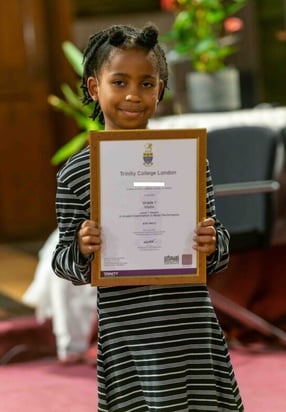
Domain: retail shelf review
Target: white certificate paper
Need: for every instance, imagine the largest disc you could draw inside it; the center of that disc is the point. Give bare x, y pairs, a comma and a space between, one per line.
147, 206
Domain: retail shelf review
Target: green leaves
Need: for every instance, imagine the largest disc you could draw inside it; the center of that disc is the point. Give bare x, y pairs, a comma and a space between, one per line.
198, 29
71, 105
74, 56
70, 148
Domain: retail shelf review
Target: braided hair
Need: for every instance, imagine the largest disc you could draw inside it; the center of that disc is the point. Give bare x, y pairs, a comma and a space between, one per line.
103, 42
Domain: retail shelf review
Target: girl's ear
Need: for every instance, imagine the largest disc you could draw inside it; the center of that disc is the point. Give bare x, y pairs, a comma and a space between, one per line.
92, 87
161, 89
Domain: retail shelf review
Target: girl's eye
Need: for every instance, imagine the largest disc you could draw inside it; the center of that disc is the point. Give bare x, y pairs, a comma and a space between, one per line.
148, 84
118, 82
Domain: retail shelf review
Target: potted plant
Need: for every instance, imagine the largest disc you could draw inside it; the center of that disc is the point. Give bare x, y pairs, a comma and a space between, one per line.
206, 33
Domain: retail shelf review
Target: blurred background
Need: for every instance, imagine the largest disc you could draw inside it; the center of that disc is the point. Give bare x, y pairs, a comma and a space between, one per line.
249, 297
33, 66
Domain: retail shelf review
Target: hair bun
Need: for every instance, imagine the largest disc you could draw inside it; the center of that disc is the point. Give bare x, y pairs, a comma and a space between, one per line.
148, 37
117, 37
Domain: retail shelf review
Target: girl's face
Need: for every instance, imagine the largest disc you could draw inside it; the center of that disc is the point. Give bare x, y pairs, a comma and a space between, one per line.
127, 88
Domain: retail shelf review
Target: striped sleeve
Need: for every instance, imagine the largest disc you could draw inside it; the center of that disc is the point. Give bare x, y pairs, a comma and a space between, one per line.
72, 208
218, 261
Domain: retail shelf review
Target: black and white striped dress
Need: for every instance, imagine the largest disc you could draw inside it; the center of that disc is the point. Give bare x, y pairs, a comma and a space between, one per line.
160, 347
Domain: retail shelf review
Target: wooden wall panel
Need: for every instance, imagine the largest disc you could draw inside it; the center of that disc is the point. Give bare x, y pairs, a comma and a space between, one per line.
28, 133
271, 20
88, 8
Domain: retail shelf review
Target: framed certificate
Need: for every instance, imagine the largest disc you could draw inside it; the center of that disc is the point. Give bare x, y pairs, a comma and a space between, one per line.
148, 192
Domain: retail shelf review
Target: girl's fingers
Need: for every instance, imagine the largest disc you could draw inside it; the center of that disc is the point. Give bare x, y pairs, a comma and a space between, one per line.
89, 237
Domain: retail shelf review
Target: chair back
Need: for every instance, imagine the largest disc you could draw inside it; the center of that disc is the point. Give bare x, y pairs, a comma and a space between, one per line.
245, 154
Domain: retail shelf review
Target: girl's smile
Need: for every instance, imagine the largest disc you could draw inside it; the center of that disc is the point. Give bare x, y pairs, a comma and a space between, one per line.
131, 114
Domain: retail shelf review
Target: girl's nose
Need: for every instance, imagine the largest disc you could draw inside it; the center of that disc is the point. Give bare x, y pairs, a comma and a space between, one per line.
132, 98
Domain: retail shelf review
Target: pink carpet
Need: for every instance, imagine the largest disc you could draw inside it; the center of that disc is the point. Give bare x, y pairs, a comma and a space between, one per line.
45, 386
262, 379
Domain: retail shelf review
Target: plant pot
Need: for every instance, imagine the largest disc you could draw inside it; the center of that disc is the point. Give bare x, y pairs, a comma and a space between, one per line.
212, 92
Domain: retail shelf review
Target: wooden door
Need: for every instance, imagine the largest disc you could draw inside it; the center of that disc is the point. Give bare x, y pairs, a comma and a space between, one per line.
31, 67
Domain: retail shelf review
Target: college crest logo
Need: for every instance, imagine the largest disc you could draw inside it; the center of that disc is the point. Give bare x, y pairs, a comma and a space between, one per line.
148, 155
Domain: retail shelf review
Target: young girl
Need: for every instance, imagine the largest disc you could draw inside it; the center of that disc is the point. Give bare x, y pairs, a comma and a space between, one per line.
160, 348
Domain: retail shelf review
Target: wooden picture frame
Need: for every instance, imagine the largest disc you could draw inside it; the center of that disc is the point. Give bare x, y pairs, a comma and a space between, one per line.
148, 192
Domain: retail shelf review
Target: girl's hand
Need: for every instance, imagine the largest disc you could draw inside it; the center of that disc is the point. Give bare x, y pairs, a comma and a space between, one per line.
88, 238
205, 237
